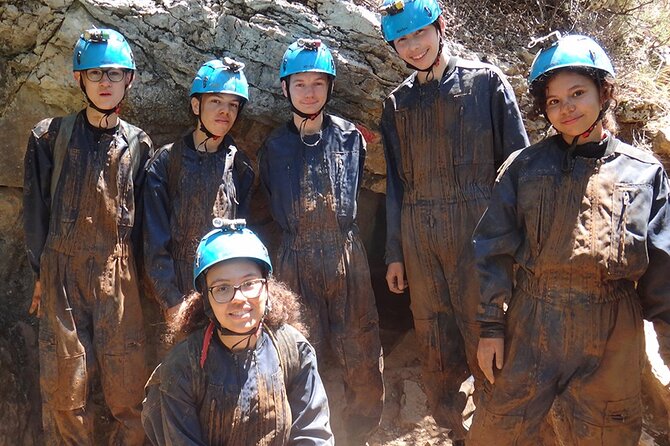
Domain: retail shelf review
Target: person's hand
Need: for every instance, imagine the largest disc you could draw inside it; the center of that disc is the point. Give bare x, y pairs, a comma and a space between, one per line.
37, 297
488, 350
395, 277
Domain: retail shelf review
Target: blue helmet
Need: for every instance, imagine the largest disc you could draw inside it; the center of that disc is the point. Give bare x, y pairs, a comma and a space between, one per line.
569, 51
221, 76
306, 55
230, 240
102, 48
402, 17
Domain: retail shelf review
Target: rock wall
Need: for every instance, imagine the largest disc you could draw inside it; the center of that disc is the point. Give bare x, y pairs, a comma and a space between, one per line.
170, 40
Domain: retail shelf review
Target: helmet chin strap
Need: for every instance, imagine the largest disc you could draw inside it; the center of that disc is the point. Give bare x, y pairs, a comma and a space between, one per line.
208, 134
308, 116
106, 112
567, 160
435, 63
223, 331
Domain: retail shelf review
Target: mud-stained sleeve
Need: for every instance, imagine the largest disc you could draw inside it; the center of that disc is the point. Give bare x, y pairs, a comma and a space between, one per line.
496, 238
38, 167
158, 262
243, 176
309, 404
362, 154
394, 186
179, 401
263, 170
509, 133
146, 153
152, 418
654, 285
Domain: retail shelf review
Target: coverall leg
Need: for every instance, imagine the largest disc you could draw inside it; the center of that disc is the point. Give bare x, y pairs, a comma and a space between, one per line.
577, 352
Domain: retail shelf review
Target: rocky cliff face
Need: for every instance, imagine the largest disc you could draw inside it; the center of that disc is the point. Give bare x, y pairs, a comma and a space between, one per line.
170, 40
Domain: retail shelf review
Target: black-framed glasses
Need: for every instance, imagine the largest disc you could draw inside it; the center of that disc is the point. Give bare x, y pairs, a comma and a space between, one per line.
113, 74
251, 289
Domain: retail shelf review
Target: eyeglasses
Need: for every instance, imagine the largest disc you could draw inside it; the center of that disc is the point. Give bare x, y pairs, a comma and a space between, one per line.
114, 74
251, 289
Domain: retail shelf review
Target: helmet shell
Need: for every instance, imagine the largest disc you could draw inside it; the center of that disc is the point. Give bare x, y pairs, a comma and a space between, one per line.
306, 55
102, 48
221, 76
402, 17
224, 244
570, 51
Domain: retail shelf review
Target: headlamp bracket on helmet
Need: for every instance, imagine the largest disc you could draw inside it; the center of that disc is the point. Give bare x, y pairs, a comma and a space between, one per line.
231, 64
394, 8
309, 44
95, 35
545, 42
226, 224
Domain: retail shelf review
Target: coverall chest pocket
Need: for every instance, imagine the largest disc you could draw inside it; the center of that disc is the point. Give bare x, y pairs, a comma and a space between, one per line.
284, 180
537, 196
402, 124
631, 207
126, 209
468, 133
344, 178
70, 183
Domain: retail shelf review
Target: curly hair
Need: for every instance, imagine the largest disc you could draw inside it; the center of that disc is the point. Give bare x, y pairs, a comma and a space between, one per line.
604, 82
285, 308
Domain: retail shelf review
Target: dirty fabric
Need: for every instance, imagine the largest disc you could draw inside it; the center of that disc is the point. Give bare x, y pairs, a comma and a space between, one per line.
443, 142
185, 189
313, 193
80, 242
237, 399
592, 247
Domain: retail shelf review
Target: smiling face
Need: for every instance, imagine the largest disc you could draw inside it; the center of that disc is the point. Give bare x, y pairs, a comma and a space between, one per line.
419, 48
309, 91
572, 105
218, 111
104, 93
241, 314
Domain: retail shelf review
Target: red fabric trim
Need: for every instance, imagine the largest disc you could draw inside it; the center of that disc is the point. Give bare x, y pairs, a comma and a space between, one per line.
205, 344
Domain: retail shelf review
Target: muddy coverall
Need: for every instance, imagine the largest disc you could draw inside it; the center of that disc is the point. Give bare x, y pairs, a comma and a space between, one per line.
581, 241
443, 142
185, 189
80, 244
236, 398
312, 193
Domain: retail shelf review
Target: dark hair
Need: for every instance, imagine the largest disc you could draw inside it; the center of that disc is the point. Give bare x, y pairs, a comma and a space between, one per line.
604, 82
285, 308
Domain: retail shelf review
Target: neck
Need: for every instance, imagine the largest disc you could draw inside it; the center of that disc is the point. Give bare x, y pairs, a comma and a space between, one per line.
311, 126
436, 72
97, 119
211, 145
239, 343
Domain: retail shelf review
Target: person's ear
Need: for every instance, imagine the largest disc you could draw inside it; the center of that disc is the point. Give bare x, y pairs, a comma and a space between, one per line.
129, 78
76, 75
284, 88
195, 106
441, 25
